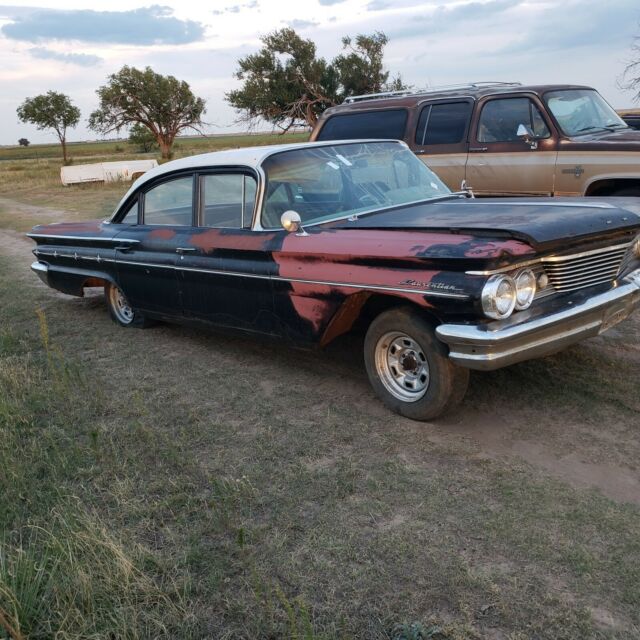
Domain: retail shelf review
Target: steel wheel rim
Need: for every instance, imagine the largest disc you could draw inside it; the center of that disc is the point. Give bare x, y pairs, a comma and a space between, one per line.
120, 305
402, 366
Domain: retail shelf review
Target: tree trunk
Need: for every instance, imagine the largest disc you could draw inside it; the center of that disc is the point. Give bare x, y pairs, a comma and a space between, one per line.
165, 144
63, 142
310, 115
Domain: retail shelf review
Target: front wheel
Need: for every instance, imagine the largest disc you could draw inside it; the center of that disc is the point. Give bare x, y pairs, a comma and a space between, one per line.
408, 366
120, 310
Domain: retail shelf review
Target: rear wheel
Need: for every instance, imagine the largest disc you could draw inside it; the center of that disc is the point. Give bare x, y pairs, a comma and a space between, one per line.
120, 310
408, 366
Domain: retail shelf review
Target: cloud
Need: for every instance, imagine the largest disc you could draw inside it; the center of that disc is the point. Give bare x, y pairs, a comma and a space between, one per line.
236, 8
378, 5
302, 24
585, 23
447, 18
328, 3
81, 59
145, 26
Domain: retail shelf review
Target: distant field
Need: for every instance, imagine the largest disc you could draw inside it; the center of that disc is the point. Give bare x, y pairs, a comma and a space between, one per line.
32, 174
123, 149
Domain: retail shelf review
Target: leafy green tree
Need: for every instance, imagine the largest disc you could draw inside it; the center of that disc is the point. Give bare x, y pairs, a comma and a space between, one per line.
362, 69
142, 137
23, 142
51, 110
163, 104
285, 83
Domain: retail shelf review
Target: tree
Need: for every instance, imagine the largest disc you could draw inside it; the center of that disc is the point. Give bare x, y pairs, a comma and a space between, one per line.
631, 76
51, 110
142, 137
163, 104
285, 83
23, 142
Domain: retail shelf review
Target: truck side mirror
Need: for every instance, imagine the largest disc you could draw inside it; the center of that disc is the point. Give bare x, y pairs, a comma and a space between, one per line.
526, 135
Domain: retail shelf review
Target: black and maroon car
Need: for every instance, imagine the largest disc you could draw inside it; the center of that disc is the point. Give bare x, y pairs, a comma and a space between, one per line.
307, 242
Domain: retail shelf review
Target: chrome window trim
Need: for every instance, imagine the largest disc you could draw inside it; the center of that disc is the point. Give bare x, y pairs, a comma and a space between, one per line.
552, 259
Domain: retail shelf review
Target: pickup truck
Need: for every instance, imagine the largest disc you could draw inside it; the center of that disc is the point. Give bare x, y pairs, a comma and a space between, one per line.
502, 139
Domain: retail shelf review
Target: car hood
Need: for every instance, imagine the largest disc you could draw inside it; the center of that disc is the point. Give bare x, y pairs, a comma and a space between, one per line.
538, 222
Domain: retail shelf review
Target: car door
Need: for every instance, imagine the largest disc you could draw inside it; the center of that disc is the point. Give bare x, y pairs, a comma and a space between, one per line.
146, 265
225, 274
500, 161
441, 139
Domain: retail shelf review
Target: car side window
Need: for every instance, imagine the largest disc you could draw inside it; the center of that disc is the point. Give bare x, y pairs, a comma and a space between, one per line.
443, 123
131, 217
500, 119
384, 124
170, 202
227, 200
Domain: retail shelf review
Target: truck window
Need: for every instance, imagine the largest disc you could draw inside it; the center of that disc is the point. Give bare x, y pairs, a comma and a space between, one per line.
500, 119
389, 125
443, 123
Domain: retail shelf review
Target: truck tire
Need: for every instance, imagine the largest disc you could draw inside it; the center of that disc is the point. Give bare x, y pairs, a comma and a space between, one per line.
627, 191
408, 367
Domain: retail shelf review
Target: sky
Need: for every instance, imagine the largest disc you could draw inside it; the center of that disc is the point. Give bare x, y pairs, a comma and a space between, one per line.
72, 46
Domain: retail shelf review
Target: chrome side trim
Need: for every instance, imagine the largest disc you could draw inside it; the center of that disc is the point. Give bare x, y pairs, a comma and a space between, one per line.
552, 259
498, 344
89, 238
256, 276
329, 283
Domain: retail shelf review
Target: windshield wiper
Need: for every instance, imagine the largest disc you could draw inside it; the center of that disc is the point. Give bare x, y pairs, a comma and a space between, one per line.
591, 128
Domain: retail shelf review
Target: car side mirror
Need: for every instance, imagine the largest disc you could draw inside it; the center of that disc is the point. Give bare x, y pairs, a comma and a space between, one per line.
291, 222
526, 135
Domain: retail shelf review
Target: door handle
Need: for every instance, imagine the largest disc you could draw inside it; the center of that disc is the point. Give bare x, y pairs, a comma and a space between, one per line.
477, 149
124, 247
185, 249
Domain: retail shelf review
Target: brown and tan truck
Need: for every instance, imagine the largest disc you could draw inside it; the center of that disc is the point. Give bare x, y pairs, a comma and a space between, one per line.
502, 139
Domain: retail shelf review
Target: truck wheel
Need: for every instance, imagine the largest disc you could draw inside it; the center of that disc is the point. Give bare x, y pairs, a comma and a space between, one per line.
408, 366
120, 310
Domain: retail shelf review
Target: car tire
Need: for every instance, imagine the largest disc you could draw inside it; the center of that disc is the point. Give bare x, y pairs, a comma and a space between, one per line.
627, 192
120, 310
409, 368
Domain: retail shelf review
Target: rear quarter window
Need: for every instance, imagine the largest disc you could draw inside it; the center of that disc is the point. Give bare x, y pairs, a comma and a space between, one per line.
388, 124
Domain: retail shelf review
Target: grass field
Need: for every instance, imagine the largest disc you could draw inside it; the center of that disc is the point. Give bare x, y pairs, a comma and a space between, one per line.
174, 483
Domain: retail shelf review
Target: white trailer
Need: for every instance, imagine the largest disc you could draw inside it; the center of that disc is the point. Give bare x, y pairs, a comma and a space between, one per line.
124, 171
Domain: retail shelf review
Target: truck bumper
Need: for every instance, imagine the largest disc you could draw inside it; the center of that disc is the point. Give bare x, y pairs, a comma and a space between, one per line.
535, 333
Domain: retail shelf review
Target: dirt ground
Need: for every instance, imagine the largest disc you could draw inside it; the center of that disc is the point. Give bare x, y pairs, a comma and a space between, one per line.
544, 448
584, 455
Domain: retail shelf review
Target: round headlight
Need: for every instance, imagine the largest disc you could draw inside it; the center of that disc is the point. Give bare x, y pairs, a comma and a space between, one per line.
499, 297
525, 289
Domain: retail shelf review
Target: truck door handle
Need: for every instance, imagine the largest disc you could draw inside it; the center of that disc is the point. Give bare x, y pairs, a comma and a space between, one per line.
124, 247
477, 149
185, 249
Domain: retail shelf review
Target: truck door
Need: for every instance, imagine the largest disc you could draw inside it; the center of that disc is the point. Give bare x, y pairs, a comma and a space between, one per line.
441, 139
503, 162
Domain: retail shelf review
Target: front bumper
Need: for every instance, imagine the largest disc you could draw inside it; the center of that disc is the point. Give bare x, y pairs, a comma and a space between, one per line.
537, 333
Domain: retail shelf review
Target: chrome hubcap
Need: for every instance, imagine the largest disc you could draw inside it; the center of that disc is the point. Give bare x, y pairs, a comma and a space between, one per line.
402, 366
120, 305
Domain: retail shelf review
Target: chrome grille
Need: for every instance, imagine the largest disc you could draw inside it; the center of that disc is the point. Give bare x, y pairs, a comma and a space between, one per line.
568, 273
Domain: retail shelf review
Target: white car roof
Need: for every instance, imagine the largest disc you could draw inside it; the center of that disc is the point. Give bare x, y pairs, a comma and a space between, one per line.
251, 157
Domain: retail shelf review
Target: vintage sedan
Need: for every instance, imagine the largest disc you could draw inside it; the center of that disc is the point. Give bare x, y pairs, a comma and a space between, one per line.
307, 242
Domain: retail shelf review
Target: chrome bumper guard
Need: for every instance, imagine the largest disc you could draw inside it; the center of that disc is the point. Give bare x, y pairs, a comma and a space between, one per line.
535, 334
41, 270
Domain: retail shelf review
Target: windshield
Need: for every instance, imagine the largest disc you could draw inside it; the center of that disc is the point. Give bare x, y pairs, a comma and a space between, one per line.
322, 182
582, 111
